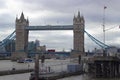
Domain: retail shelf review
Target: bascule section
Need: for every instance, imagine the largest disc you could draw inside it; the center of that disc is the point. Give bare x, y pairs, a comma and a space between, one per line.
21, 42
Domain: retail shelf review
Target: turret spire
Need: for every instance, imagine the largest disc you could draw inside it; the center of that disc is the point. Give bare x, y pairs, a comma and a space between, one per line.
74, 18
78, 14
82, 18
16, 17
27, 20
22, 16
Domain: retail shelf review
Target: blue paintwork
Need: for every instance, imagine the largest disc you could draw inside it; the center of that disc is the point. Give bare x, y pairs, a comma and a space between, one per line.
50, 27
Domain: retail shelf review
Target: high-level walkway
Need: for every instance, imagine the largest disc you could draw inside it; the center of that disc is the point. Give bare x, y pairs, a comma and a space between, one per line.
50, 27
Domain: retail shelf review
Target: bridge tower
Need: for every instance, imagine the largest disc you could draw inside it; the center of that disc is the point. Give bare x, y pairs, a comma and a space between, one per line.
78, 30
21, 38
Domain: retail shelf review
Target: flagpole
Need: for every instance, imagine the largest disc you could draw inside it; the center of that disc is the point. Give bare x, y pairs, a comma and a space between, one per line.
104, 50
104, 24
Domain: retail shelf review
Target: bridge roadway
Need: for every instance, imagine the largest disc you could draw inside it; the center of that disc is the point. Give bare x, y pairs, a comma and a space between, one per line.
50, 27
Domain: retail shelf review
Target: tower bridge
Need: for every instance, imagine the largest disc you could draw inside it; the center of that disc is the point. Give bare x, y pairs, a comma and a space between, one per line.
22, 29
101, 66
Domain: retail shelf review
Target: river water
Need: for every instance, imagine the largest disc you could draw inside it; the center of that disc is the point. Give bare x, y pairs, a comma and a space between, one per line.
8, 65
25, 76
86, 77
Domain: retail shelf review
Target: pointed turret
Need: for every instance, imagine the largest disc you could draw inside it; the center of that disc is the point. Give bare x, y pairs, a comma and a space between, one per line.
27, 20
78, 14
78, 17
22, 16
22, 19
74, 19
16, 18
82, 19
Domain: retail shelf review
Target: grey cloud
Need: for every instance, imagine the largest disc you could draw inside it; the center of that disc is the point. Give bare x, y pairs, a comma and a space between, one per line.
92, 10
2, 4
112, 36
7, 21
62, 19
55, 39
53, 4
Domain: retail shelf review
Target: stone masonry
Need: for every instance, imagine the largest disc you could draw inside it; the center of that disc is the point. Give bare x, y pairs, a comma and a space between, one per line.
21, 38
78, 31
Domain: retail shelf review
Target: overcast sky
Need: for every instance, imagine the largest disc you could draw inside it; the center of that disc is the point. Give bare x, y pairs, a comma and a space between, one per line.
52, 12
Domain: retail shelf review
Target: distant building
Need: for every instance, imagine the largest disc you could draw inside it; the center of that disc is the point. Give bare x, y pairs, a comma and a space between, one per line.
31, 46
41, 48
98, 52
37, 42
112, 51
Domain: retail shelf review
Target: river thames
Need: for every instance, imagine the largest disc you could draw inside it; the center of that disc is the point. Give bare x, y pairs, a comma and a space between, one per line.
25, 76
57, 65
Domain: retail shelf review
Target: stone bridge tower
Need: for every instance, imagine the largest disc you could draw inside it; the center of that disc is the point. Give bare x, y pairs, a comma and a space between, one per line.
21, 38
78, 30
